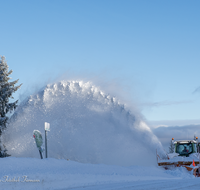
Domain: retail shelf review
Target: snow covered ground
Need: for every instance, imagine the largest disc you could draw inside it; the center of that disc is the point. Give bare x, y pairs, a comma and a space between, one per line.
33, 173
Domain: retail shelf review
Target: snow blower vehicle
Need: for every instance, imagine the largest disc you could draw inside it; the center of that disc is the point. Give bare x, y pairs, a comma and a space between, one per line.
184, 153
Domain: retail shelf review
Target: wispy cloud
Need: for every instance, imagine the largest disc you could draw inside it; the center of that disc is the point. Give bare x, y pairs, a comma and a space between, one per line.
197, 90
166, 103
172, 123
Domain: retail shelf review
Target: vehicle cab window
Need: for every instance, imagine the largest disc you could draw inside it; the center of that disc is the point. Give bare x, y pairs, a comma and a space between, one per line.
184, 148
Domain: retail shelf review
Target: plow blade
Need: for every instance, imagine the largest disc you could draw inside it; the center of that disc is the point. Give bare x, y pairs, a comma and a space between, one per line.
188, 165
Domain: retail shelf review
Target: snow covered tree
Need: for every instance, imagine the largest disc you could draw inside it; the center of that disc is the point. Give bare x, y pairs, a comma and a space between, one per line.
6, 90
171, 146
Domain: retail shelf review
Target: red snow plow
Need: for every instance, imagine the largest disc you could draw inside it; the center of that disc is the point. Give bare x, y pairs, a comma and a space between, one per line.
184, 153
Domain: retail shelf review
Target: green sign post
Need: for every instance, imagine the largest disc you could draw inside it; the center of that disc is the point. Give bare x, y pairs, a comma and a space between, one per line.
38, 140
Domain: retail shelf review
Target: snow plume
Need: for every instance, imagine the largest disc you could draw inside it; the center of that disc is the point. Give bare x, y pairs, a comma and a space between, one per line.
87, 125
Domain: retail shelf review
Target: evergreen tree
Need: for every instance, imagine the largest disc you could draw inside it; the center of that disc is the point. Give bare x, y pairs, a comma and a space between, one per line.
6, 90
171, 147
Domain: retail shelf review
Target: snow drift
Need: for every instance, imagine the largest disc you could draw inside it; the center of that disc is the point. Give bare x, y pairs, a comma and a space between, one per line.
86, 126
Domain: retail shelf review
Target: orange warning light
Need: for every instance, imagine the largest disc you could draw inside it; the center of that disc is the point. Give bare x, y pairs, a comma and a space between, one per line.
172, 138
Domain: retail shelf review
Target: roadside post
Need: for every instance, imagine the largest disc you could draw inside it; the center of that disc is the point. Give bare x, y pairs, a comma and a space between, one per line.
46, 128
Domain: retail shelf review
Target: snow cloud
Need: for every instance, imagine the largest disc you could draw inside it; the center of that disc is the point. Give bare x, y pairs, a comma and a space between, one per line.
87, 125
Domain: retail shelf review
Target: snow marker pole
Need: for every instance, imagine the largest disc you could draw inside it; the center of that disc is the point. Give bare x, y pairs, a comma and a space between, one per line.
198, 155
157, 156
46, 128
46, 143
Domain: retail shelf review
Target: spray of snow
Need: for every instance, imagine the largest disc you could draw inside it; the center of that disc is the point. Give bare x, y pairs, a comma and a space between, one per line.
87, 125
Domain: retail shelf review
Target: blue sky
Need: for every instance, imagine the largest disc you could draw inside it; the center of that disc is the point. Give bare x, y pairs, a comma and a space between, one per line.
151, 47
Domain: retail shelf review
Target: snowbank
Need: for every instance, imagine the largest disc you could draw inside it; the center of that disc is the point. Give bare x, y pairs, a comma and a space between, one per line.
32, 173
